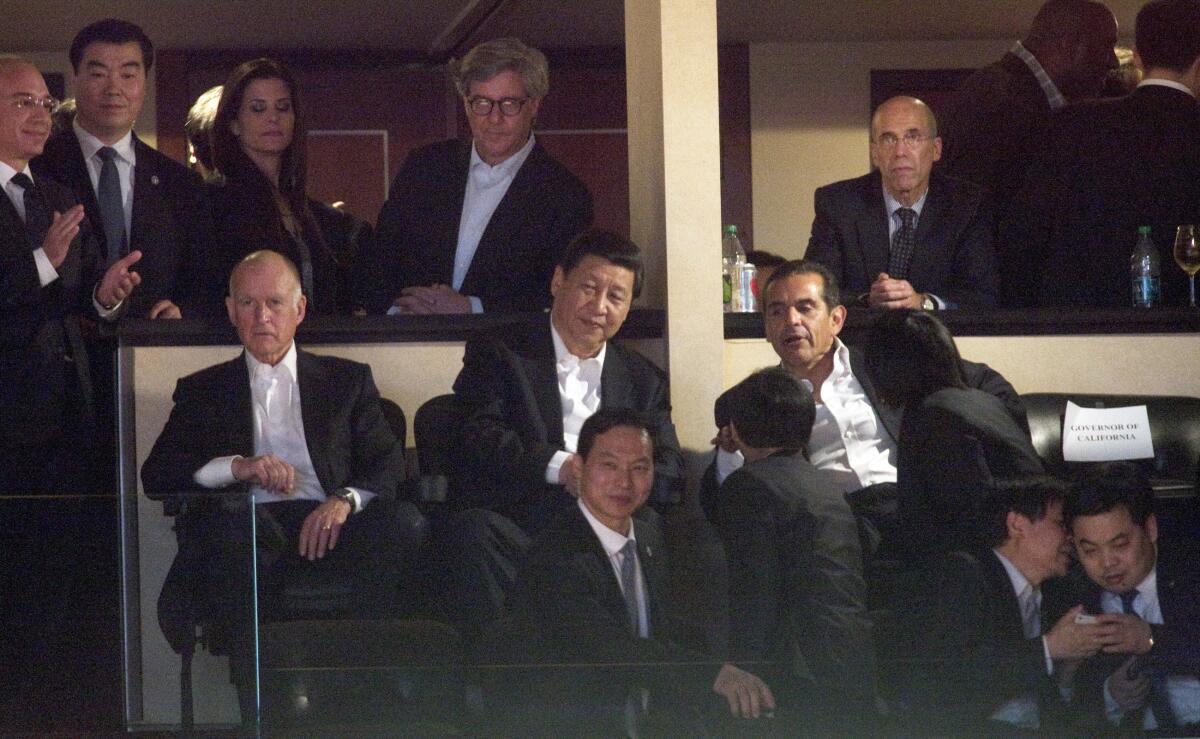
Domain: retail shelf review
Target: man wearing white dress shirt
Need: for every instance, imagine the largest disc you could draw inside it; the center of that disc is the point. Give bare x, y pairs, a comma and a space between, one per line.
1145, 593
305, 437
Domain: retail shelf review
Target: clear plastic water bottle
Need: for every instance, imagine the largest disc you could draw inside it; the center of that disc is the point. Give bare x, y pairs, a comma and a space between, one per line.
1144, 271
733, 256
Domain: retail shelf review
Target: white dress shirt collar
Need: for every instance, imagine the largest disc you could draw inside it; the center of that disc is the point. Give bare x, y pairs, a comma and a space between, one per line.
89, 144
1167, 83
1053, 95
565, 360
892, 205
288, 364
506, 168
612, 541
16, 194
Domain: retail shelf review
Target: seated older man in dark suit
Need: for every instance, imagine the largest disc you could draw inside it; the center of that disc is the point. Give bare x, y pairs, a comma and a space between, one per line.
592, 592
478, 225
305, 436
797, 597
526, 390
899, 237
1146, 594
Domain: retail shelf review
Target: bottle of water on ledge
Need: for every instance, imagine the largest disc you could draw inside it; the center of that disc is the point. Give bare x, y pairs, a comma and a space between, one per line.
1144, 271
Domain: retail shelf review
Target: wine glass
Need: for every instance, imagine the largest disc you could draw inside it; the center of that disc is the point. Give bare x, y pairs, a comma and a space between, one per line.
1187, 255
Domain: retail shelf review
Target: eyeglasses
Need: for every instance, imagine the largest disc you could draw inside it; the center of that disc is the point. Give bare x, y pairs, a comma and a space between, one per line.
910, 139
509, 107
27, 101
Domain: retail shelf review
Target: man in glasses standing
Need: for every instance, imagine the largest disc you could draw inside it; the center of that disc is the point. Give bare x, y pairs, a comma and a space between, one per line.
474, 226
899, 237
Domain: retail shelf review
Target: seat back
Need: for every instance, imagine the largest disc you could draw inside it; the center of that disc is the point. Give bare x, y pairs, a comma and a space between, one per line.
435, 429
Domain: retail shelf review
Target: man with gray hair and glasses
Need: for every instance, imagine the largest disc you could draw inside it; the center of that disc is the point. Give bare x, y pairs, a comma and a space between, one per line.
478, 225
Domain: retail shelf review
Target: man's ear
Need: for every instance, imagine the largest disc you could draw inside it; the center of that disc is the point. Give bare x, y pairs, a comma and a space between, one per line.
1015, 523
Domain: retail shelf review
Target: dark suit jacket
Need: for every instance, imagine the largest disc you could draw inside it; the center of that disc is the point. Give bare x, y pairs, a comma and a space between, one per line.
796, 589
954, 447
510, 386
989, 125
1107, 168
969, 643
171, 224
348, 438
566, 605
1176, 649
38, 327
954, 258
417, 231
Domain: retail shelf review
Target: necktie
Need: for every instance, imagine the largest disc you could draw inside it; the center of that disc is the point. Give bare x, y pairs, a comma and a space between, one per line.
904, 242
112, 207
37, 218
1030, 618
1159, 699
629, 583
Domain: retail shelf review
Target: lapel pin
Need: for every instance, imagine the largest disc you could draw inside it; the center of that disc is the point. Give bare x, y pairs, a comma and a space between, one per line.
153, 179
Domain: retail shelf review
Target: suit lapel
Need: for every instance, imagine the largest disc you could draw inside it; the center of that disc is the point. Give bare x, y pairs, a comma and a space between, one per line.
872, 227
589, 546
616, 384
928, 249
239, 405
1009, 614
452, 214
540, 366
75, 174
314, 411
652, 571
510, 213
889, 416
144, 180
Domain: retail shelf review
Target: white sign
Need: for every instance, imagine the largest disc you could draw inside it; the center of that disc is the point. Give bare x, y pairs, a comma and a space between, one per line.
1106, 434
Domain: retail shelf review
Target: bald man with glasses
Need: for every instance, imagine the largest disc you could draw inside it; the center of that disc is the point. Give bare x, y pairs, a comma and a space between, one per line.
478, 225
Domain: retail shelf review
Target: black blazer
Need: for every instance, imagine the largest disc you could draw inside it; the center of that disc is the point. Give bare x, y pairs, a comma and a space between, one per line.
39, 327
348, 438
954, 258
796, 591
510, 386
955, 445
417, 231
171, 224
1107, 167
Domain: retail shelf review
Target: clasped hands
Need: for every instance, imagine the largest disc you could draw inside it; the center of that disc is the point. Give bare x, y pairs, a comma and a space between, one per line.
433, 299
890, 293
320, 531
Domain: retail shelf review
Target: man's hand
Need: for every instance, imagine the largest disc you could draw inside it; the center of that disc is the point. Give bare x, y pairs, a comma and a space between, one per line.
889, 293
320, 530
118, 281
1069, 640
1124, 633
268, 471
165, 309
63, 230
748, 696
571, 473
724, 439
432, 299
1129, 693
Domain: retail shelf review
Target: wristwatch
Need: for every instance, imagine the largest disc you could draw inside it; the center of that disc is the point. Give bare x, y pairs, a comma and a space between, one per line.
927, 303
344, 494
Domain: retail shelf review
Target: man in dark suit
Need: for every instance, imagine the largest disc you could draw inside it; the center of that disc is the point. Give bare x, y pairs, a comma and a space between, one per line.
1110, 166
136, 199
1146, 594
593, 590
305, 435
899, 237
990, 122
473, 226
974, 623
526, 390
797, 597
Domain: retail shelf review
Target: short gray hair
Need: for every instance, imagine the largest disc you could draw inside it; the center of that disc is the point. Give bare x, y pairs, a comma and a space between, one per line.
503, 55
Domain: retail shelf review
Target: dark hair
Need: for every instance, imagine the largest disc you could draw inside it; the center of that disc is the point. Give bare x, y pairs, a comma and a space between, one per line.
111, 31
1167, 34
609, 246
607, 419
1029, 496
770, 409
1059, 20
1108, 486
760, 258
830, 292
910, 355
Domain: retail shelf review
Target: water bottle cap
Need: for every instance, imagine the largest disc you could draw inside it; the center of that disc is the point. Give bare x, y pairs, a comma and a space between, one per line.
731, 229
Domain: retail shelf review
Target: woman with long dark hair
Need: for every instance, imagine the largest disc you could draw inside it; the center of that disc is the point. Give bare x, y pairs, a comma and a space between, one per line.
258, 147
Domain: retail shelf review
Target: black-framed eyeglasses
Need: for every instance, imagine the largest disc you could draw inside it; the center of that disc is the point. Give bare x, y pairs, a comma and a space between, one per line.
910, 139
509, 107
25, 101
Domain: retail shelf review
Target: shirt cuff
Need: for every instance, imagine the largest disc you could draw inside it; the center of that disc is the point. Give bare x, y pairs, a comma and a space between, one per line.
107, 314
1046, 656
216, 474
46, 271
476, 304
941, 304
727, 462
361, 498
556, 462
